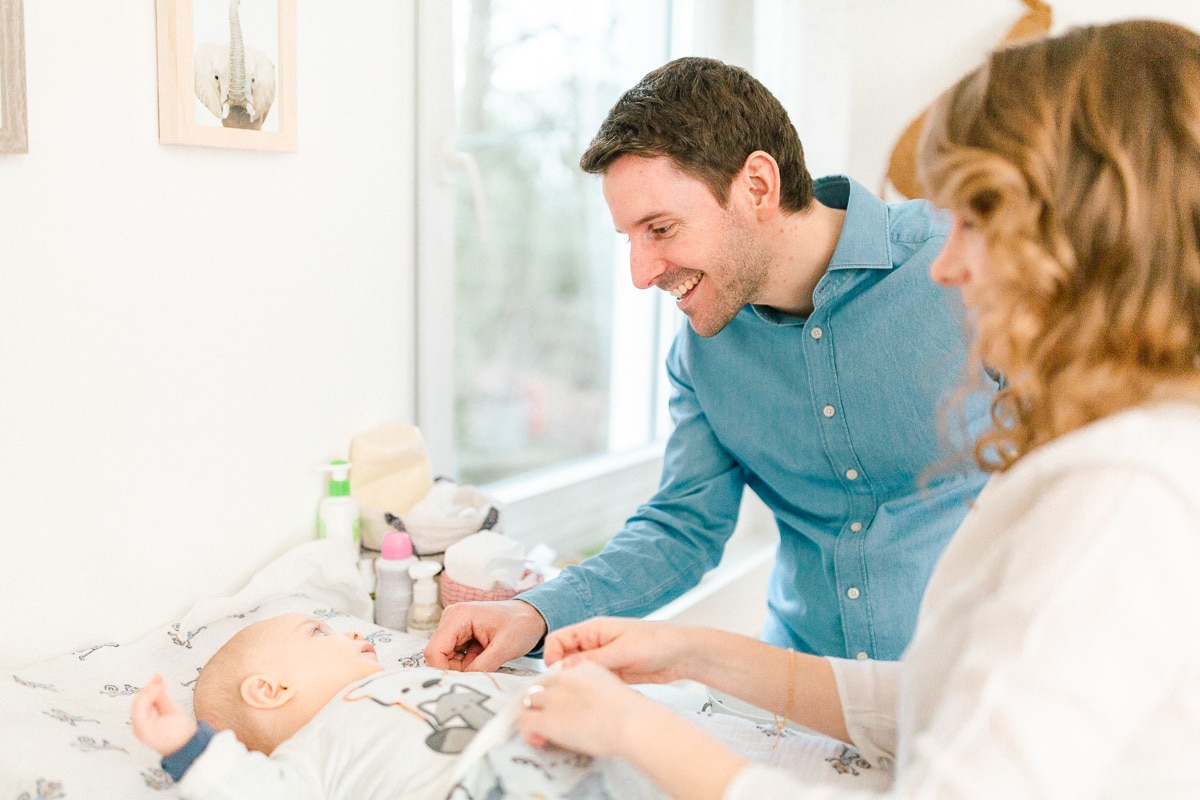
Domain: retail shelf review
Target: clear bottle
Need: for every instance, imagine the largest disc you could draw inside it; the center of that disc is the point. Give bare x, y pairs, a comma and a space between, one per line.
337, 515
425, 611
394, 586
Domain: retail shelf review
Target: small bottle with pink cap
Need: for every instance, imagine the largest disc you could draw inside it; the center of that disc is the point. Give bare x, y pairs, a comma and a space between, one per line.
394, 587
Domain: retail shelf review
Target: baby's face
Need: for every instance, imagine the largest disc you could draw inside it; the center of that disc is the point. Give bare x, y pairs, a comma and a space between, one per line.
313, 658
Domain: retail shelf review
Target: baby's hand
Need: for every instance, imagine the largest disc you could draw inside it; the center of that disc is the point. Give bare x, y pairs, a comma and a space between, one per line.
158, 721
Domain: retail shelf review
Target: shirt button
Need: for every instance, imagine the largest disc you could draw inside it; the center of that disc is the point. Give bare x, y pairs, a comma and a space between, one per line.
861, 656
852, 474
828, 411
816, 333
856, 526
852, 593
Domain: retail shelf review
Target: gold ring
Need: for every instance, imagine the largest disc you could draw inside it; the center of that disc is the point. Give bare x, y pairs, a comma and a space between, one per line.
527, 699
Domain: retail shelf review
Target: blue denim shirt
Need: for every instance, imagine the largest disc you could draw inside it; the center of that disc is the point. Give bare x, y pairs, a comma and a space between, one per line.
836, 422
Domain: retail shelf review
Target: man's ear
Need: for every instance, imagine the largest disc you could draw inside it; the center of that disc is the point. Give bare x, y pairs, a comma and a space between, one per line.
760, 180
265, 692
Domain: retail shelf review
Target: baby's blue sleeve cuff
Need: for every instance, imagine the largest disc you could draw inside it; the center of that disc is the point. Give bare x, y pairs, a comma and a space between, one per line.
178, 762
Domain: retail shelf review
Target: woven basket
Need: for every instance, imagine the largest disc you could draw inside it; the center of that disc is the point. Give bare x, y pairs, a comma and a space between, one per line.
455, 592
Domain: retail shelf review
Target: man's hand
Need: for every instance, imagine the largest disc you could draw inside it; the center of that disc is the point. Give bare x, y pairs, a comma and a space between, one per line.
481, 636
158, 721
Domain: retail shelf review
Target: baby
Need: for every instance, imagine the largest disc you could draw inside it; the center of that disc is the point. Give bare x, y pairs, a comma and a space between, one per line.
289, 708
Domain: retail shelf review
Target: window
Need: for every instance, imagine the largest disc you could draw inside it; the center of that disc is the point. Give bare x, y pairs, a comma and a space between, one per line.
557, 356
539, 366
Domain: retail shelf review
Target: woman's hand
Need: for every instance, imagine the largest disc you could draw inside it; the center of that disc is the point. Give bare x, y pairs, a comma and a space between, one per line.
635, 651
586, 708
583, 707
157, 719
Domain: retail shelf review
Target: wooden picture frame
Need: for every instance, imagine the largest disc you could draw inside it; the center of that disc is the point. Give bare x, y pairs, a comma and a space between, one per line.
14, 133
220, 111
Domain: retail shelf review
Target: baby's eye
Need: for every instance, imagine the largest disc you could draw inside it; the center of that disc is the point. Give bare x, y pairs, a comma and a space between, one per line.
322, 630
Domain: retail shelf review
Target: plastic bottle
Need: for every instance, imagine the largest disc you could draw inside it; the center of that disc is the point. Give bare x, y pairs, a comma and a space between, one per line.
394, 586
425, 611
337, 515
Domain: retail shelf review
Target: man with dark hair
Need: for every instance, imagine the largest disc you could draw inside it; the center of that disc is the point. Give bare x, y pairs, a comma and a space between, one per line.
817, 361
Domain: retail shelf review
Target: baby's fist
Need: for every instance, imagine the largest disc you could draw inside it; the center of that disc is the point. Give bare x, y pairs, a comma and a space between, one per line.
157, 721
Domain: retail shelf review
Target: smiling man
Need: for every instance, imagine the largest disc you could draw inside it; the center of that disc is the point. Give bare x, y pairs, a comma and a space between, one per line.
817, 364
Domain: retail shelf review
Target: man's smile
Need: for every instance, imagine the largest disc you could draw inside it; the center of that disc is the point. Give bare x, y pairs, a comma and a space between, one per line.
682, 289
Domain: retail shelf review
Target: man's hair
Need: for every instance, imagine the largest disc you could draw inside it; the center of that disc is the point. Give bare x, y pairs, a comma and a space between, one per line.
1079, 157
706, 117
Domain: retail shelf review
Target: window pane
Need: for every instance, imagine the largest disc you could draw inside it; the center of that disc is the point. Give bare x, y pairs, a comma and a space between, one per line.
541, 275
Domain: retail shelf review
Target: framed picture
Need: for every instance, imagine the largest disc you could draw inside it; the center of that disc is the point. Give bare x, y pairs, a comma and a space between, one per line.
14, 136
227, 73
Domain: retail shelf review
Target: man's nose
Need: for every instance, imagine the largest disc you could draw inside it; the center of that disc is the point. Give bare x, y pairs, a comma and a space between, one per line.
645, 266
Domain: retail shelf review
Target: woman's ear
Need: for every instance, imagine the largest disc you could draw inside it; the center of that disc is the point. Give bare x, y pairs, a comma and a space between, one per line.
760, 179
265, 692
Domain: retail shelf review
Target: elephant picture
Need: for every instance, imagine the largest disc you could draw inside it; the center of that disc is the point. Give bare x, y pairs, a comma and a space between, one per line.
226, 73
234, 58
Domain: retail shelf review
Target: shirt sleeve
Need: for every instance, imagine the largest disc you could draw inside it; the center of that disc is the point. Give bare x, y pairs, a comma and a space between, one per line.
1055, 673
870, 695
758, 781
177, 763
1062, 665
672, 540
226, 770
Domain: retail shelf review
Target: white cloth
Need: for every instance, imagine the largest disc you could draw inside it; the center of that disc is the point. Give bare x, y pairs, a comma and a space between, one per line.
1057, 653
404, 733
426, 734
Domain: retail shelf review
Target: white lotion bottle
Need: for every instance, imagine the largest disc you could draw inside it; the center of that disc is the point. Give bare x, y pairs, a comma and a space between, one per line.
337, 514
394, 586
425, 612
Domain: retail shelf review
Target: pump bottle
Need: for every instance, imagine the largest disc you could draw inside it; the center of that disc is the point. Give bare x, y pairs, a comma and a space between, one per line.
394, 588
425, 611
337, 515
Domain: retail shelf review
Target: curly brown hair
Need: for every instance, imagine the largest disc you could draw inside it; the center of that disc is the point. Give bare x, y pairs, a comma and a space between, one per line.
707, 117
1079, 156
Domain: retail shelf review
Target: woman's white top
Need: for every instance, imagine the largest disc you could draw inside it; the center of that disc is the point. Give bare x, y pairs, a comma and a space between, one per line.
1057, 651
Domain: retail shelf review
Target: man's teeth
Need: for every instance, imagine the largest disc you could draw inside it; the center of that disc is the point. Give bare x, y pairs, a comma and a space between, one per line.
683, 288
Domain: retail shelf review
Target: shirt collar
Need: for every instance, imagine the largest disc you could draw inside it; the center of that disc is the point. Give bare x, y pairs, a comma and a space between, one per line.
865, 240
864, 243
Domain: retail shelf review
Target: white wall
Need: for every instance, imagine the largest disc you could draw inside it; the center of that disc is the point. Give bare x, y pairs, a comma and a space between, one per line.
903, 54
186, 332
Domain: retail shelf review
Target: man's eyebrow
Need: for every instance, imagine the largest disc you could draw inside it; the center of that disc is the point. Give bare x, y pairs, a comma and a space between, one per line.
648, 217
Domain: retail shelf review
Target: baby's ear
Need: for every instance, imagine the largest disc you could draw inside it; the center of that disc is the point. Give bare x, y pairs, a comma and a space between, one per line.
265, 692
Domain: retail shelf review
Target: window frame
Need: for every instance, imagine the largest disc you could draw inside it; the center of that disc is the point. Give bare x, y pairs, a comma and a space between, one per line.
577, 507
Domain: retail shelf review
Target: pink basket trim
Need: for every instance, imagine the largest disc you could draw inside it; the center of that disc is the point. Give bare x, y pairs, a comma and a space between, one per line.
455, 592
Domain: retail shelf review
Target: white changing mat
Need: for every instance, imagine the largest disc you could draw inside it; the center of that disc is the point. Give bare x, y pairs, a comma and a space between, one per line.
64, 723
64, 727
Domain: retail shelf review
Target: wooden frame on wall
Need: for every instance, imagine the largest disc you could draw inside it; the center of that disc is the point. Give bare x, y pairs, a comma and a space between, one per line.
216, 111
14, 135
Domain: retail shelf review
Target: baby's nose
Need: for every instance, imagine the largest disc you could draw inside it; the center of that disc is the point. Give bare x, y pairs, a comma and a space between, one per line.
355, 635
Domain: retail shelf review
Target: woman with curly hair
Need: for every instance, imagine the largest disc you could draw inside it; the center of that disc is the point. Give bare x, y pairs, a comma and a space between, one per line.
1057, 652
